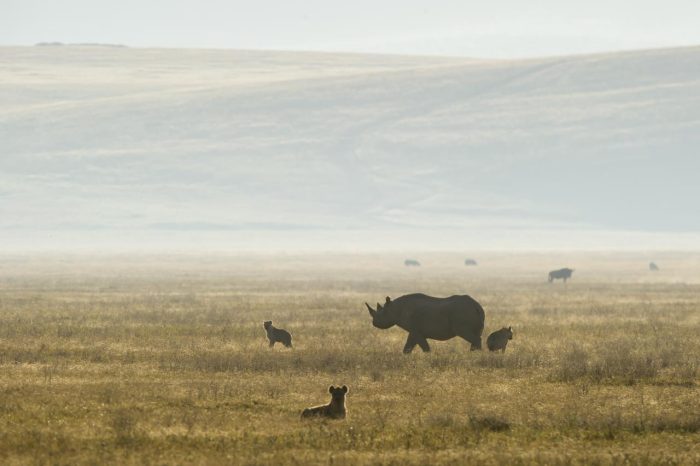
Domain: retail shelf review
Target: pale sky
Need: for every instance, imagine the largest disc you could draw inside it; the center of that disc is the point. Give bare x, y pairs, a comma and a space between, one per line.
495, 28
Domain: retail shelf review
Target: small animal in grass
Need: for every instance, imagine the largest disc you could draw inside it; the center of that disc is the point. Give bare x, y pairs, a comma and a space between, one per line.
334, 410
499, 339
277, 335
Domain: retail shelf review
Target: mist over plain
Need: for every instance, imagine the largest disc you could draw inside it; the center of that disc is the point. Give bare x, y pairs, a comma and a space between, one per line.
121, 148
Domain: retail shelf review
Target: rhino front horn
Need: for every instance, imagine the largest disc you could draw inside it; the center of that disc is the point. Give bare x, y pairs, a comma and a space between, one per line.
371, 311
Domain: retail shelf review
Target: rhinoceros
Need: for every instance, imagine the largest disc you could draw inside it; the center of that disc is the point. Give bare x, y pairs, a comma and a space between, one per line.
411, 263
425, 317
653, 267
563, 274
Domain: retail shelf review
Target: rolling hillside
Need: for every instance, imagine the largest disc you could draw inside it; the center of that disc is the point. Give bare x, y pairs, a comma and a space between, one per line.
96, 139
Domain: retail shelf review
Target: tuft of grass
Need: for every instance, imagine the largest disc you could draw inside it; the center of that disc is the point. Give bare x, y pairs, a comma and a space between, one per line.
124, 423
572, 364
488, 423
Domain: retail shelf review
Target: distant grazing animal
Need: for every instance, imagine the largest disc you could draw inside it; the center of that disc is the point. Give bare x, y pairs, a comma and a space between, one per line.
277, 335
411, 263
469, 262
563, 274
499, 339
426, 317
334, 410
653, 267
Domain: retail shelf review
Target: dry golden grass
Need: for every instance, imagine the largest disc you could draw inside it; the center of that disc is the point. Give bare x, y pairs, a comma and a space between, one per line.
164, 360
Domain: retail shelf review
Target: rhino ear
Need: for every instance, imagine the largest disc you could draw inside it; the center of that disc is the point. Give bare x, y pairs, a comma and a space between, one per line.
371, 311
388, 300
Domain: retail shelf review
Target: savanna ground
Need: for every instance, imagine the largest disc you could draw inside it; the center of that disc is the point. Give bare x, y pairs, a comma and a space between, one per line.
163, 360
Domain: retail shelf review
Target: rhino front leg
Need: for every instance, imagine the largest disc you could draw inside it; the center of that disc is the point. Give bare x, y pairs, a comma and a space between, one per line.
413, 340
423, 343
410, 344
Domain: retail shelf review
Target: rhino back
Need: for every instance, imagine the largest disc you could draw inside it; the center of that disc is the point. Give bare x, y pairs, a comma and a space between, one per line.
439, 318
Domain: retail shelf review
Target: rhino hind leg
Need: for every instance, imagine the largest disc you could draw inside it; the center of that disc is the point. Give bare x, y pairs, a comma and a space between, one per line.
413, 340
474, 340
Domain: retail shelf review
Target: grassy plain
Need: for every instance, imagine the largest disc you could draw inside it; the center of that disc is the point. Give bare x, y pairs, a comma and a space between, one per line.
163, 360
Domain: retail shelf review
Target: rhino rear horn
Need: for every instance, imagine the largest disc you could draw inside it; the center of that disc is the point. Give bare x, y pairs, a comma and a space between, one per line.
371, 311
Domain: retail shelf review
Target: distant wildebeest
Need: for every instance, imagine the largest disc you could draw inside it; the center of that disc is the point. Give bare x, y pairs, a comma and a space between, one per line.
425, 317
653, 267
411, 263
469, 262
563, 274
499, 339
335, 409
277, 335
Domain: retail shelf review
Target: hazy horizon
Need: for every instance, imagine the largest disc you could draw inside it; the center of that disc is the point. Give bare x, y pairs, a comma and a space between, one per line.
501, 29
494, 126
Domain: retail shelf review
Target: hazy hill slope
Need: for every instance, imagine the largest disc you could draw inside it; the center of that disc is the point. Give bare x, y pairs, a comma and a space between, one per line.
164, 139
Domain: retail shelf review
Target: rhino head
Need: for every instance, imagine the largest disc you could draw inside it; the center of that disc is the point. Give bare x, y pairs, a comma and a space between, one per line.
384, 316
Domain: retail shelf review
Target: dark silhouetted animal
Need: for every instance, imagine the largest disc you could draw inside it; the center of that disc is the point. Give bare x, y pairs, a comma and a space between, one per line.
425, 317
335, 409
563, 274
469, 262
653, 267
411, 263
277, 335
499, 339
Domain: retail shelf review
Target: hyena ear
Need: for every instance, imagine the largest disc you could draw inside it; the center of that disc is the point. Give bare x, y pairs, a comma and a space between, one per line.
330, 389
510, 329
388, 300
345, 388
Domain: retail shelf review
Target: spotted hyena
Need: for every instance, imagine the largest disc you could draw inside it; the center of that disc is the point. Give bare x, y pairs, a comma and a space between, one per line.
277, 335
334, 410
499, 339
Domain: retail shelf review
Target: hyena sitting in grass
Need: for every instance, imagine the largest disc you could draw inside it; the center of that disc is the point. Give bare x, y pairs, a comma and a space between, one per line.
334, 410
499, 339
277, 335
